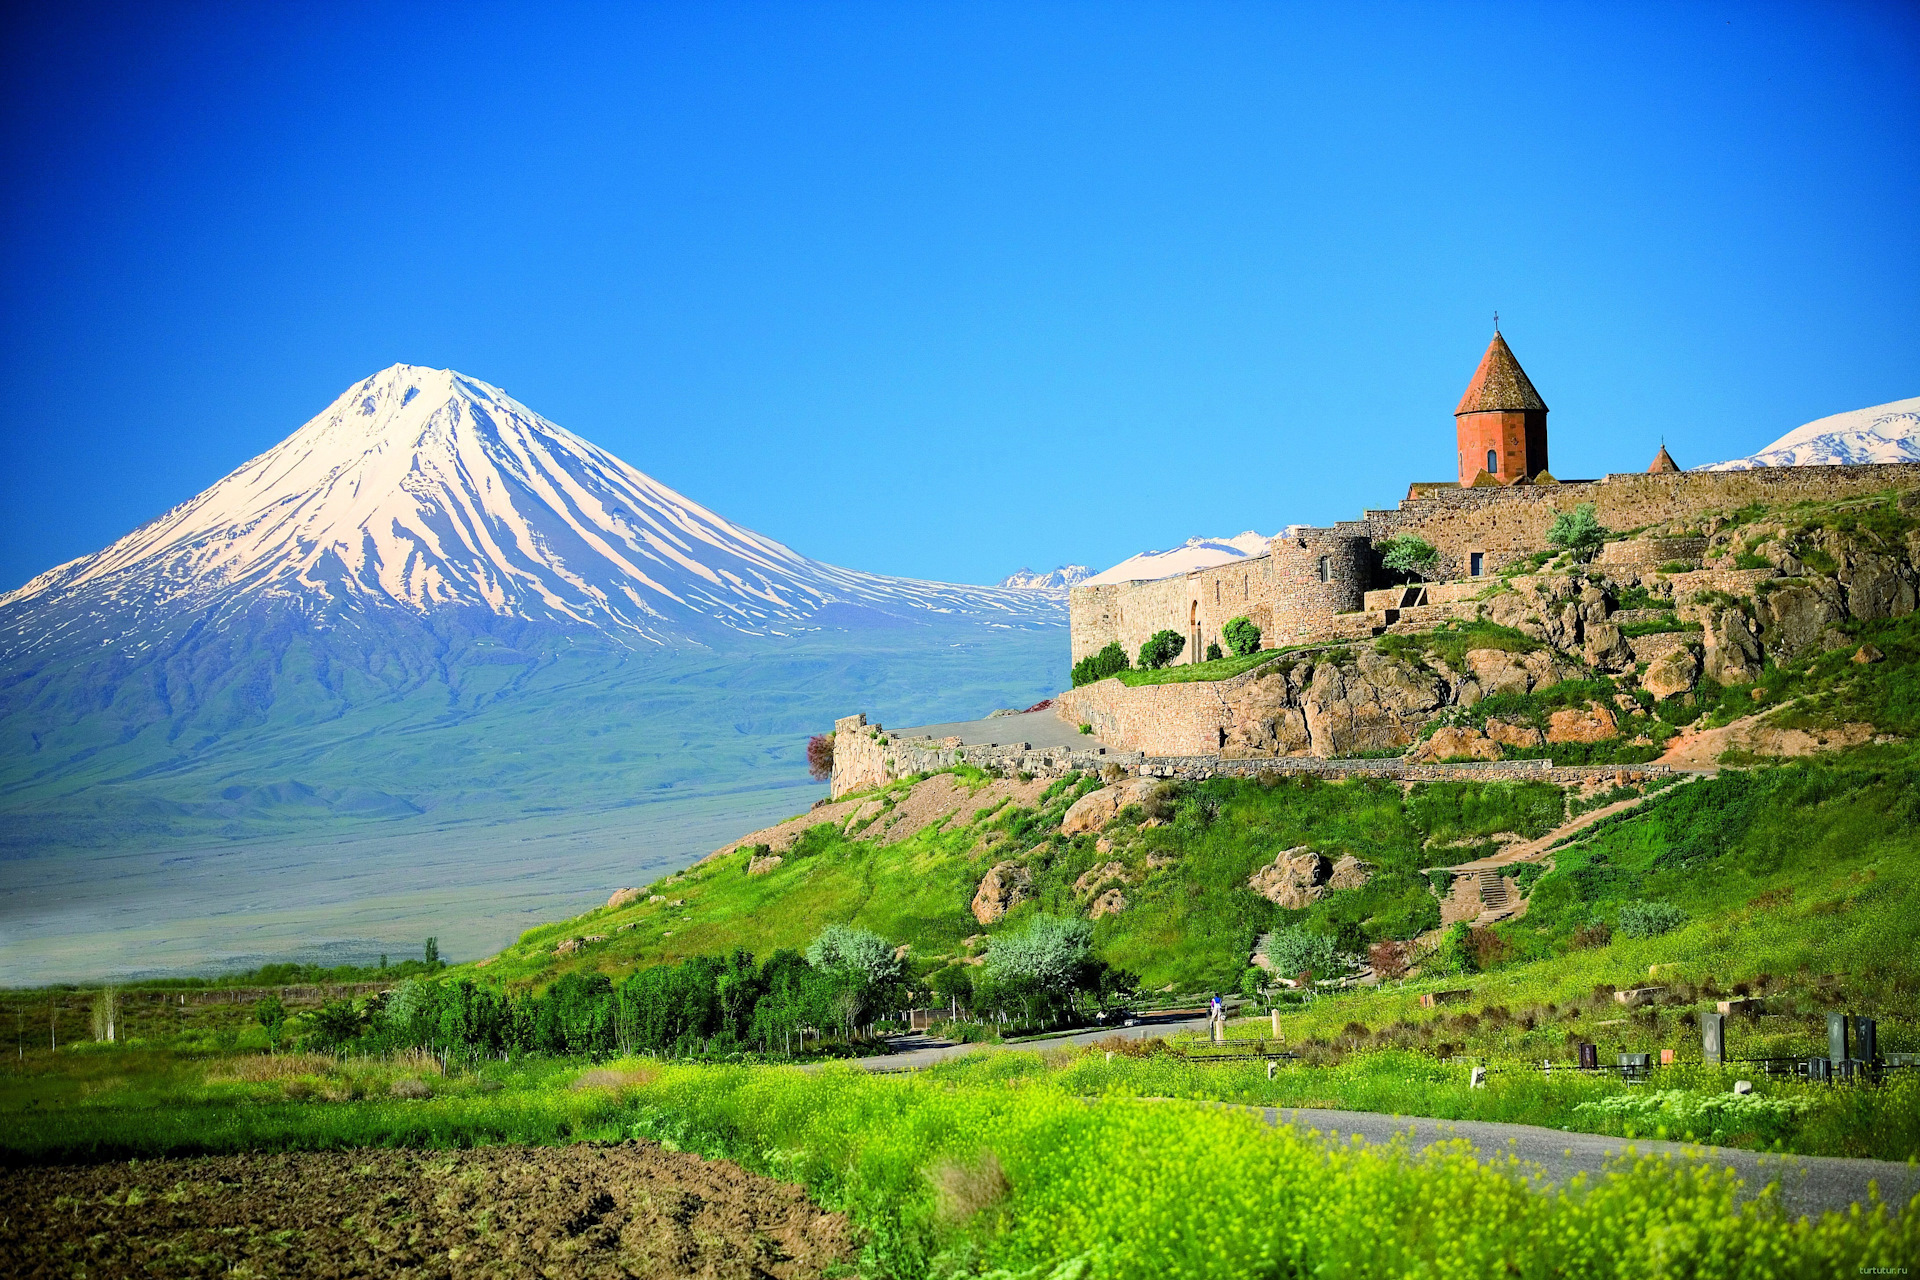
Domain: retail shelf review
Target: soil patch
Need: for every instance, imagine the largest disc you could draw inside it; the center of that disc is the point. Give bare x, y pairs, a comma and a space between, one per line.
587, 1210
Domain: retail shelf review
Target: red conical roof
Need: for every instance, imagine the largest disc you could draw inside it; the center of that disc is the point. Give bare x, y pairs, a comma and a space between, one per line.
1499, 385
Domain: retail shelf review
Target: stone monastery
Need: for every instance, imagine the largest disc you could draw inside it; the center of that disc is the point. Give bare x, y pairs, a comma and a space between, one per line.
1715, 595
1312, 585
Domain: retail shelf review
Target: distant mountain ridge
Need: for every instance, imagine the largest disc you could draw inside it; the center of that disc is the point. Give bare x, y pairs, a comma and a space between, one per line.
1067, 575
432, 491
1194, 553
1884, 433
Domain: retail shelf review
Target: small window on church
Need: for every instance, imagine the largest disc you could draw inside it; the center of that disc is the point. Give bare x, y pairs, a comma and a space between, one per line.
1476, 563
1493, 462
1326, 568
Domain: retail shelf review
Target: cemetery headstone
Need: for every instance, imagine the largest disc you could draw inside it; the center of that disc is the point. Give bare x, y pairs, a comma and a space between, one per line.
1713, 1037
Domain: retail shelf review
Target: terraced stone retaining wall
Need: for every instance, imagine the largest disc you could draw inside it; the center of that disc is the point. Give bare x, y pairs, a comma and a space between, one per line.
866, 755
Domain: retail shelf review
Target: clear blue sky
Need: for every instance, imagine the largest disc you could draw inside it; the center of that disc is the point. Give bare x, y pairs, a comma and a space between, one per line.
945, 290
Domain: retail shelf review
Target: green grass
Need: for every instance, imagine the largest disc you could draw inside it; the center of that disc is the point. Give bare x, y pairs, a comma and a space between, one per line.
1182, 673
1452, 641
1066, 1165
1191, 920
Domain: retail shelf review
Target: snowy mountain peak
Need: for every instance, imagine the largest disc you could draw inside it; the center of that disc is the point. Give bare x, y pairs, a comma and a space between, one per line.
429, 489
1885, 433
1067, 575
1194, 553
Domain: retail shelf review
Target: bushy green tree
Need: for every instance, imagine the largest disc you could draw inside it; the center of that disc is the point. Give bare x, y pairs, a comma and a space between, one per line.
1410, 556
1110, 661
272, 1015
1294, 950
1578, 532
860, 965
1242, 636
1161, 648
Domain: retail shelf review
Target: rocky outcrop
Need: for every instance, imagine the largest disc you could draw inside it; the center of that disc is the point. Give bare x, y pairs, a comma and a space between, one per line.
1591, 724
621, 897
1672, 675
1514, 735
1295, 878
1094, 877
1110, 903
1002, 889
764, 863
1349, 873
1455, 742
1097, 808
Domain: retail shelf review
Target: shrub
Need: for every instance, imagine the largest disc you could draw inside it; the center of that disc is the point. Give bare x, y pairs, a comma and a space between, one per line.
1110, 661
1587, 936
1241, 636
1577, 532
1161, 648
1649, 919
1410, 557
1213, 653
1389, 960
1296, 951
1456, 951
820, 756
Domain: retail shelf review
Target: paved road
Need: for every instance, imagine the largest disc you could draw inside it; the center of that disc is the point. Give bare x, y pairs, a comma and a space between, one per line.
1808, 1184
911, 1053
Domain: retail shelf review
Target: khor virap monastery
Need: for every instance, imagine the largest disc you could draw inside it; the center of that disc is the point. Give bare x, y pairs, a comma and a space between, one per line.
1705, 577
1312, 584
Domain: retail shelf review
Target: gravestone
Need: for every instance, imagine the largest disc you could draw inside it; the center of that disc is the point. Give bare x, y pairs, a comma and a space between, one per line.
1866, 1039
1713, 1037
1478, 1080
1837, 1038
1589, 1057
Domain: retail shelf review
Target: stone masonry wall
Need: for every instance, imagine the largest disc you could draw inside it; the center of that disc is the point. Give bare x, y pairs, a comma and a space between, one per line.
1282, 592
866, 755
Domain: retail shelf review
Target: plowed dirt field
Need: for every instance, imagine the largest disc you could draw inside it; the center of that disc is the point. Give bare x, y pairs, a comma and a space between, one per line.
632, 1209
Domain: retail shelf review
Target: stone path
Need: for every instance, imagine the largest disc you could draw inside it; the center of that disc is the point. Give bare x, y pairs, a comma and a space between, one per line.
1498, 903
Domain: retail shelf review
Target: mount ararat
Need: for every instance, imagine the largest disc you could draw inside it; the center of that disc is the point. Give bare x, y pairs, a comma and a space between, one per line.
430, 614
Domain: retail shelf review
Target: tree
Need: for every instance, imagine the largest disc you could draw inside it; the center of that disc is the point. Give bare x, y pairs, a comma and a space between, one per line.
1040, 967
1410, 556
433, 951
1161, 648
1578, 533
859, 964
1110, 661
1213, 653
336, 1024
272, 1015
1296, 951
954, 985
820, 756
1241, 636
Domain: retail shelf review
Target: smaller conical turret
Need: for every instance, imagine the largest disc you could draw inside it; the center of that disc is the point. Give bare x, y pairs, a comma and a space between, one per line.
1662, 462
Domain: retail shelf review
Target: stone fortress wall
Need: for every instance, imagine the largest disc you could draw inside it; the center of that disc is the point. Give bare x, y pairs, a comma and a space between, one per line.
1311, 585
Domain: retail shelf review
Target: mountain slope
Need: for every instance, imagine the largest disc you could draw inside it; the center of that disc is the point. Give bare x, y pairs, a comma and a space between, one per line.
1885, 433
432, 491
1067, 575
430, 610
1194, 553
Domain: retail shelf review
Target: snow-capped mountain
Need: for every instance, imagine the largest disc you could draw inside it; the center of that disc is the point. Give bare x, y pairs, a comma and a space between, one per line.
1194, 553
1067, 575
1884, 433
431, 491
